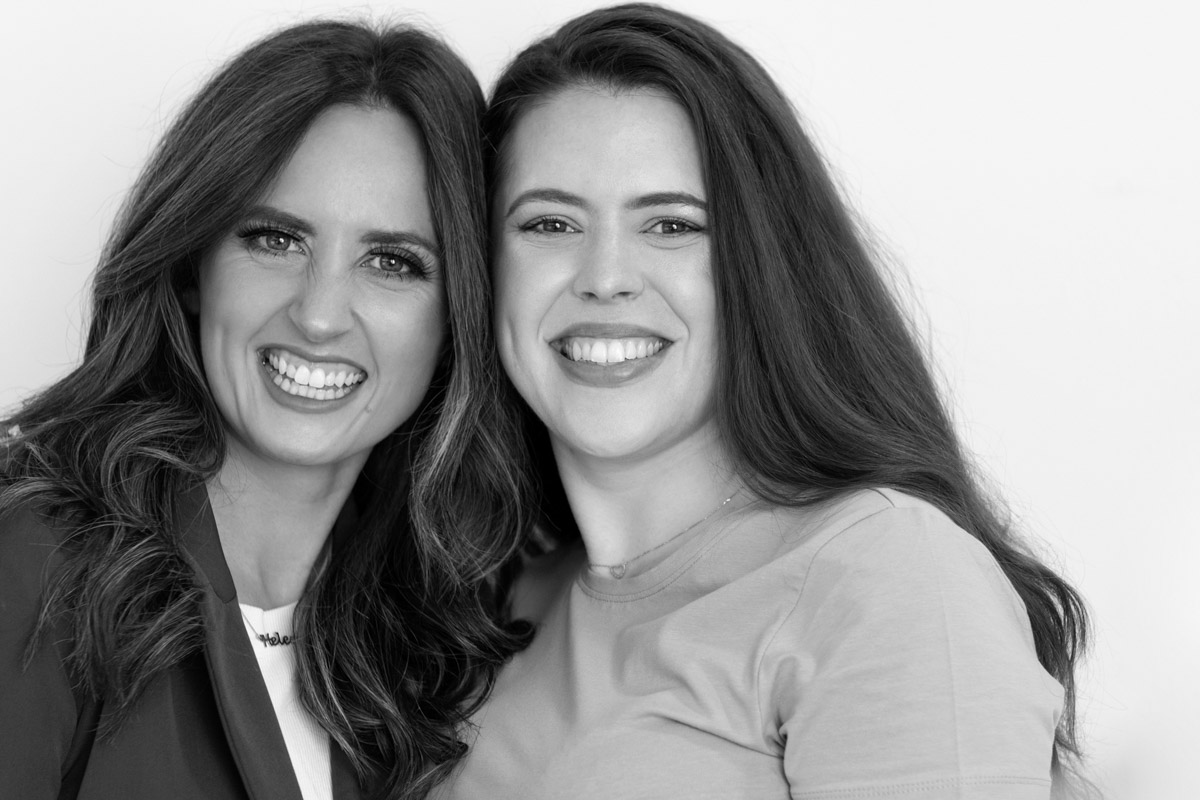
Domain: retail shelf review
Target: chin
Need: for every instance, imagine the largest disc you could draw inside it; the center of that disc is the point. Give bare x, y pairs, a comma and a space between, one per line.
294, 451
609, 442
302, 458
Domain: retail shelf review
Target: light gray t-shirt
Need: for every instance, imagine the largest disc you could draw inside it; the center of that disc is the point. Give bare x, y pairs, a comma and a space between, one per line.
867, 648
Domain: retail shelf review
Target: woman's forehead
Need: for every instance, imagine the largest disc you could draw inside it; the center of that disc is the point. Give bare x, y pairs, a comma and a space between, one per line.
602, 141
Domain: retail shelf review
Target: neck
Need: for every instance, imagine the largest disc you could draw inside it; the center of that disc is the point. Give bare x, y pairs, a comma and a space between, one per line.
273, 520
624, 508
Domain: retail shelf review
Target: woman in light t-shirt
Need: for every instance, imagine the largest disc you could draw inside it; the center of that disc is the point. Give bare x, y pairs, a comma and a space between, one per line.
788, 583
246, 545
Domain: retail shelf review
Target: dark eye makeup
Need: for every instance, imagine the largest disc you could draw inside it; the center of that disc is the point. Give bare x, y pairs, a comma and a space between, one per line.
269, 237
276, 239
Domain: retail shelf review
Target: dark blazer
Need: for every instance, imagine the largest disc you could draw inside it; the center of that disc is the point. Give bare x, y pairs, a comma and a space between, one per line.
203, 729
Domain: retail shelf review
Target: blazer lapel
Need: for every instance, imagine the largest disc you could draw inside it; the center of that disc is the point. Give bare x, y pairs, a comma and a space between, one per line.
242, 699
345, 779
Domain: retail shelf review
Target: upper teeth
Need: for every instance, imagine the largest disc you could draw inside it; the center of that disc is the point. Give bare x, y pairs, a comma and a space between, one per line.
306, 373
609, 351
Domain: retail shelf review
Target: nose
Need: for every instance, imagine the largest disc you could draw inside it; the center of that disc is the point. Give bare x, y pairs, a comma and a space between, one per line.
322, 307
607, 271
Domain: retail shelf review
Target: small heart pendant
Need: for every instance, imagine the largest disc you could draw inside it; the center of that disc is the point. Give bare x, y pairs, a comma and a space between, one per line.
618, 571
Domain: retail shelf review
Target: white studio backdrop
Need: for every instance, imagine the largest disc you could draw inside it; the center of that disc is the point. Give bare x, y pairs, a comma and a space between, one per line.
1031, 167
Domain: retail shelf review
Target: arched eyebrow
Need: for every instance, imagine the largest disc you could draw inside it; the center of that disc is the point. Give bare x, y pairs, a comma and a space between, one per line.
401, 239
271, 214
644, 201
666, 199
545, 196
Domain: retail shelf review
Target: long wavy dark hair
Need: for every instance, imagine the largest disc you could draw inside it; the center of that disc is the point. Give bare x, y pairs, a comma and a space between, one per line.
400, 637
823, 385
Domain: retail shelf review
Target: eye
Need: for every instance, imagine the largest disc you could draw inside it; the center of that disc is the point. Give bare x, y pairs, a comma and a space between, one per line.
271, 241
549, 225
279, 242
398, 264
674, 227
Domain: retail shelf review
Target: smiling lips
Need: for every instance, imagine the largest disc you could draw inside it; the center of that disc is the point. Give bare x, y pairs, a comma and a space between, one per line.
314, 380
609, 351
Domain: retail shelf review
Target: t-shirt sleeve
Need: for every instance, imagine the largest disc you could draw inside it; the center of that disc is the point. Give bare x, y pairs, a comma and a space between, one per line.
907, 669
37, 706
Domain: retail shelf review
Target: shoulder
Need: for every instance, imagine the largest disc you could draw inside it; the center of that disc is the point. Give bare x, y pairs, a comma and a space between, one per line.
878, 543
40, 706
881, 511
30, 552
908, 645
889, 581
30, 548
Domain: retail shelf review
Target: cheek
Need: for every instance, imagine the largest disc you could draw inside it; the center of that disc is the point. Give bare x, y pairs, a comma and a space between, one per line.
526, 289
229, 299
224, 312
412, 339
695, 295
521, 305
218, 314
708, 321
511, 312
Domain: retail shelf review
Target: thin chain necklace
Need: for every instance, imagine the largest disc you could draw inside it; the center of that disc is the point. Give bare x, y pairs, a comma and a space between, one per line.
272, 639
618, 570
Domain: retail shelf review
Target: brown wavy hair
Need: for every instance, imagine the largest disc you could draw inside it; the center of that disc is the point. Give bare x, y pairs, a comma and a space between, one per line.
823, 387
400, 633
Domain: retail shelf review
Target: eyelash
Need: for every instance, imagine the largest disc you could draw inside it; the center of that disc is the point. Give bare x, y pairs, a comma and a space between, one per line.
252, 233
534, 226
417, 265
689, 227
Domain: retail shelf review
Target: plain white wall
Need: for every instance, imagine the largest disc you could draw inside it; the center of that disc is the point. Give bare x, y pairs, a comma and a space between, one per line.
1031, 166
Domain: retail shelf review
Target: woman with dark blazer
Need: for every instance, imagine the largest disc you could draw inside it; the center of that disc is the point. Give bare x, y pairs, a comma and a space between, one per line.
249, 547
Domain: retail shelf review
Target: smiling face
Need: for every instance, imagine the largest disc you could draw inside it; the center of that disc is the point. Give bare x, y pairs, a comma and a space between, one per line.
606, 309
322, 314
